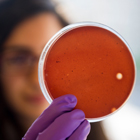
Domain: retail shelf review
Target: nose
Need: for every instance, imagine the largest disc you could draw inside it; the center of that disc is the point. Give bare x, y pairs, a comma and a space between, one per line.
33, 75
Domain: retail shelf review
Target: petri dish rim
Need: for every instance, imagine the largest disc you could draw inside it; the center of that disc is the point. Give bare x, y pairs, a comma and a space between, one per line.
55, 38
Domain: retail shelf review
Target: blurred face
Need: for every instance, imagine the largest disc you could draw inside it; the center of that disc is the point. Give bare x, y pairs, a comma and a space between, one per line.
20, 64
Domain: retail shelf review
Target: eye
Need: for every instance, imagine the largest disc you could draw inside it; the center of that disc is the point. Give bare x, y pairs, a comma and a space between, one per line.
18, 60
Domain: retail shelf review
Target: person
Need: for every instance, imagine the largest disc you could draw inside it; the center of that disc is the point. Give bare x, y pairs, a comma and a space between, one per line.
25, 28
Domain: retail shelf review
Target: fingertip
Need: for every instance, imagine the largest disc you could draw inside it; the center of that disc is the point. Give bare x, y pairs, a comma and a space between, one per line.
77, 114
68, 99
86, 125
81, 132
60, 105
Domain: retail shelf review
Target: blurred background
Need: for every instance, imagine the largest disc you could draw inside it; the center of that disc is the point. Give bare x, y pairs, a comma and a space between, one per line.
123, 16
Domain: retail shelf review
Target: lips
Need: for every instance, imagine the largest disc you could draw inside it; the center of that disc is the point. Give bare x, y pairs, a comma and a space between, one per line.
40, 99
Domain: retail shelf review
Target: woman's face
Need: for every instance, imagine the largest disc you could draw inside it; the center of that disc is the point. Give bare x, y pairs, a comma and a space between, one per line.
20, 64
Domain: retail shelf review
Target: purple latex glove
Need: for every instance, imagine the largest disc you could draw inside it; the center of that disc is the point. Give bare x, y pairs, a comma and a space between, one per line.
59, 122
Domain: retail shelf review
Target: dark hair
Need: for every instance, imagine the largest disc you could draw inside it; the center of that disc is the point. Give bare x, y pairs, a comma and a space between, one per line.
12, 12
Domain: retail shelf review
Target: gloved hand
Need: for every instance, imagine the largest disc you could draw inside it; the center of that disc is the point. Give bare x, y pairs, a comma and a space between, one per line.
60, 122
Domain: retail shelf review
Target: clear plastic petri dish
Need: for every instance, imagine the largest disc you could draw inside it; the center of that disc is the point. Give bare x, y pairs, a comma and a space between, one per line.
91, 61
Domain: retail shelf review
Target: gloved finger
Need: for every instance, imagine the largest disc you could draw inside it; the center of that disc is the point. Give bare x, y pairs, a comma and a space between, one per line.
63, 126
58, 107
81, 132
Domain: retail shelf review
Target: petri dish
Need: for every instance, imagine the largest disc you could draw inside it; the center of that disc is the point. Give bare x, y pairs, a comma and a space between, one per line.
91, 61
